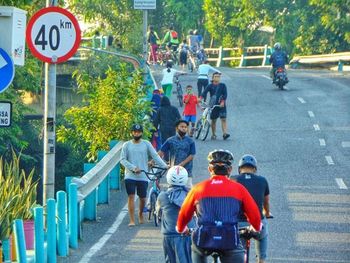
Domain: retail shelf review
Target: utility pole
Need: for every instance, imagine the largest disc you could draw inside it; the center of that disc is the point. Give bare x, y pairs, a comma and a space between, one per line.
144, 42
49, 127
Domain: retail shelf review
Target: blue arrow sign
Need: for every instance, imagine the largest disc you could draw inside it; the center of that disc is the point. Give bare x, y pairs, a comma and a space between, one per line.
7, 70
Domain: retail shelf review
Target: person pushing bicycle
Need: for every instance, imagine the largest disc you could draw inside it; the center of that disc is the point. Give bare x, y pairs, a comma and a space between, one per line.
134, 157
218, 202
177, 247
258, 187
218, 96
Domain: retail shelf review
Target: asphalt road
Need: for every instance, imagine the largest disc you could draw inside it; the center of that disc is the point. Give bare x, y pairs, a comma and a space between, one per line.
301, 139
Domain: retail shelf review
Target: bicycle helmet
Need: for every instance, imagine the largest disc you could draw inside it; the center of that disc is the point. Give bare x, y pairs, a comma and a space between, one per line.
220, 157
137, 127
177, 175
277, 46
247, 160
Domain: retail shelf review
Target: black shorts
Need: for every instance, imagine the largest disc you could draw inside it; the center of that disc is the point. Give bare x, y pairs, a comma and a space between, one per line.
140, 186
218, 112
183, 58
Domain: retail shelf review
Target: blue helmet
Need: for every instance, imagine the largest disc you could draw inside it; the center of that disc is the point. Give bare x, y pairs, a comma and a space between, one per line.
247, 160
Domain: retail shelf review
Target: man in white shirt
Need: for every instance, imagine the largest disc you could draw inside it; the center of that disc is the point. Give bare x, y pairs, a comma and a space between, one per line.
203, 72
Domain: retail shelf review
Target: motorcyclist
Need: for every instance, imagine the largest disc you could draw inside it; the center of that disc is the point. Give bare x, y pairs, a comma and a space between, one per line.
278, 59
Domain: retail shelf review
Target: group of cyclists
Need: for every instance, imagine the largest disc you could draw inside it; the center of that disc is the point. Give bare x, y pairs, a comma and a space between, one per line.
176, 50
203, 219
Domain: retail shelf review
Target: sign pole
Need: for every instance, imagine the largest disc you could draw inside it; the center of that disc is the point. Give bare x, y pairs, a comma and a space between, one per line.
145, 53
49, 127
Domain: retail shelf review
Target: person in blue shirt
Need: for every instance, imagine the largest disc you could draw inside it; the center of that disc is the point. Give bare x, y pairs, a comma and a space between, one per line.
278, 59
180, 149
176, 246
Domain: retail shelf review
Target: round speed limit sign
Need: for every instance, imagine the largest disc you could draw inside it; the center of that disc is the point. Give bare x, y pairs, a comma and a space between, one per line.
53, 34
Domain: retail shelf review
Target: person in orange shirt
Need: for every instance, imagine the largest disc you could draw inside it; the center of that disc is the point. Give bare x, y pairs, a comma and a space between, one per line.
190, 109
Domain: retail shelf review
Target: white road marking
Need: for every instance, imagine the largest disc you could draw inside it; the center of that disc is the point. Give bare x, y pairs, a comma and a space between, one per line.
311, 114
316, 127
99, 244
322, 142
341, 183
266, 77
345, 144
301, 100
329, 160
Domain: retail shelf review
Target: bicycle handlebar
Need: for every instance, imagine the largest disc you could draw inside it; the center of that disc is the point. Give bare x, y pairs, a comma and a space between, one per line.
156, 174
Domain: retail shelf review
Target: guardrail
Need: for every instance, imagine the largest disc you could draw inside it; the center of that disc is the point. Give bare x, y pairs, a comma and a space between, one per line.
339, 58
247, 53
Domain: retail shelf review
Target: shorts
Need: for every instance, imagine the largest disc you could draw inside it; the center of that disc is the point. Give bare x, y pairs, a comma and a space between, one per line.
133, 186
190, 118
183, 58
218, 112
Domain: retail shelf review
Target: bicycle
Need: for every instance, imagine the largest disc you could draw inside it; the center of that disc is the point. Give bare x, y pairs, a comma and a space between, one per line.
179, 91
203, 124
246, 233
154, 176
192, 61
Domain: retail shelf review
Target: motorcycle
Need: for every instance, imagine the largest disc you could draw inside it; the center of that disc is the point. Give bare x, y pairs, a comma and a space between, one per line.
280, 78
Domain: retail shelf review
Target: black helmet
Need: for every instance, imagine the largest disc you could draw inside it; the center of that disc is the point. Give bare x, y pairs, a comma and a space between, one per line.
137, 127
220, 156
247, 160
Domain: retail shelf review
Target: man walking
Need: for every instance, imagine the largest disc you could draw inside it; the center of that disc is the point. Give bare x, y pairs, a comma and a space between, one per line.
218, 96
134, 157
180, 149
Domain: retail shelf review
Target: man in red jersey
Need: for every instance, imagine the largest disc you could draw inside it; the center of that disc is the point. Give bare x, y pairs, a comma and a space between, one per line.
218, 202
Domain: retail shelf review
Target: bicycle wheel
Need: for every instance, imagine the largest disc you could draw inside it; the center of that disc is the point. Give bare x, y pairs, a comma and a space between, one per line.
190, 65
205, 130
198, 129
179, 94
153, 199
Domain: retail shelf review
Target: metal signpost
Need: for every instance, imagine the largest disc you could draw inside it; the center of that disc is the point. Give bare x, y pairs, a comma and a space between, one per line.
53, 35
145, 5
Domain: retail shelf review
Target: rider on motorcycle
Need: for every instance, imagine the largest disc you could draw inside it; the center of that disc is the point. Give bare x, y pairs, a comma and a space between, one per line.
278, 59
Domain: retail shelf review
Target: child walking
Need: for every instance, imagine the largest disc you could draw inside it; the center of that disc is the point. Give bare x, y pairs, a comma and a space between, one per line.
190, 109
176, 246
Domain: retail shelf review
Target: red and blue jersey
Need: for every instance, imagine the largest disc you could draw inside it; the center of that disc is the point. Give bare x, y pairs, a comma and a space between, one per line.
218, 199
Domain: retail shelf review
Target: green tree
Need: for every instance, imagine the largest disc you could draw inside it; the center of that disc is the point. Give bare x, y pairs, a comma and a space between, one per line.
114, 103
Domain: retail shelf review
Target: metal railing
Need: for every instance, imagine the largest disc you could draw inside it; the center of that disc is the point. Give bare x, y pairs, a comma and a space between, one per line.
334, 58
247, 53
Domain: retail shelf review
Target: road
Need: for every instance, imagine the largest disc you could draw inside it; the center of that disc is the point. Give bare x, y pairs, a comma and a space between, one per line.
301, 139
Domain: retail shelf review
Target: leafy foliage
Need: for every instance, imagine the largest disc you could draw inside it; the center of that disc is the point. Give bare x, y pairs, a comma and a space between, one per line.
114, 103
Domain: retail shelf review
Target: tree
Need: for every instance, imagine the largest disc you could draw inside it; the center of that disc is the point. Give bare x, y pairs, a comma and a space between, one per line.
114, 103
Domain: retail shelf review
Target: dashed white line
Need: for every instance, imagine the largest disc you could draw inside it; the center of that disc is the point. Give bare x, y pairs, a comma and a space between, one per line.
316, 127
345, 144
341, 183
329, 160
322, 142
311, 114
301, 100
266, 77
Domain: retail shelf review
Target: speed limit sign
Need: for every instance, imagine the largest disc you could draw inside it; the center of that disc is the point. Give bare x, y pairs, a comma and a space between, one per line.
53, 34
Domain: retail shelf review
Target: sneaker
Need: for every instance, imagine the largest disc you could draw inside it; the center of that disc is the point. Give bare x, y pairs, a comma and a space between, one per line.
213, 137
225, 136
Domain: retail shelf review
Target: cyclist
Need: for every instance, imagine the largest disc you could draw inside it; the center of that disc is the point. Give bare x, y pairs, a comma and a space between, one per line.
193, 42
218, 202
177, 247
218, 96
134, 157
180, 149
203, 72
171, 39
168, 78
258, 187
278, 59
